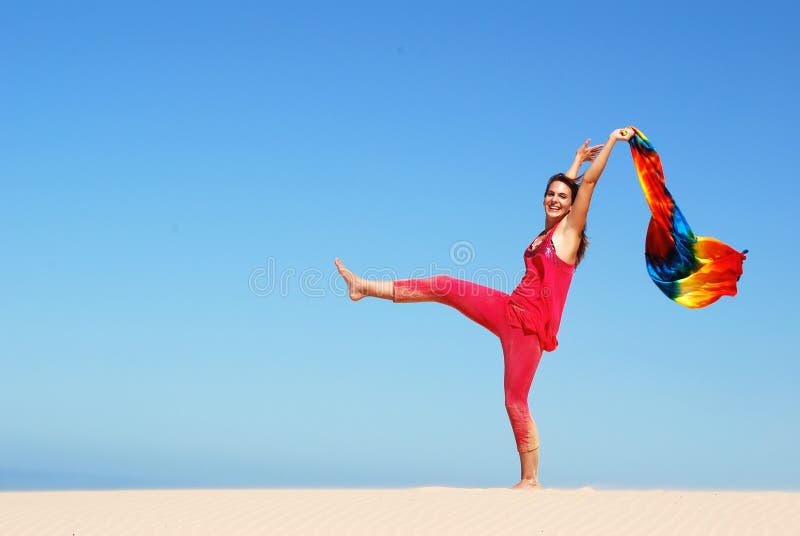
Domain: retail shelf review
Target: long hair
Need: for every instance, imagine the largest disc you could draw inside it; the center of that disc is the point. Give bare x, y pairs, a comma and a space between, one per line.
573, 187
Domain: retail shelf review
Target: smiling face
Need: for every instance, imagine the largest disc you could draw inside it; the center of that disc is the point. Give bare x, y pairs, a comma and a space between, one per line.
557, 200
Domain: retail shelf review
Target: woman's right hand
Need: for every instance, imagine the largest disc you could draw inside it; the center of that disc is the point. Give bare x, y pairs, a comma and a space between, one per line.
622, 134
586, 153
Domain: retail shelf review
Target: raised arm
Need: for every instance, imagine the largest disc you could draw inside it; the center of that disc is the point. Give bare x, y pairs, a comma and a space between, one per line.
583, 154
576, 219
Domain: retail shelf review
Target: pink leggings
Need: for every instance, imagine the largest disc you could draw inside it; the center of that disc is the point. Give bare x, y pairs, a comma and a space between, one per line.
487, 307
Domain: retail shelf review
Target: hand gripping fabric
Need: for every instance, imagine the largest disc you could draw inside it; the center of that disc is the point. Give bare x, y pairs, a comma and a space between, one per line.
692, 270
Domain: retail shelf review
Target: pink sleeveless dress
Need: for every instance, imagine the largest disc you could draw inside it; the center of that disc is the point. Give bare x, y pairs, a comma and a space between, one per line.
537, 303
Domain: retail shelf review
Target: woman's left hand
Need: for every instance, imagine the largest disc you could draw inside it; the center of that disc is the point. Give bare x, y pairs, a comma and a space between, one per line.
622, 134
586, 153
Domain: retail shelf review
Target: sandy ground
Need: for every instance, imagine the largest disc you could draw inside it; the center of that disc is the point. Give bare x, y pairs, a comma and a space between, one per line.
400, 511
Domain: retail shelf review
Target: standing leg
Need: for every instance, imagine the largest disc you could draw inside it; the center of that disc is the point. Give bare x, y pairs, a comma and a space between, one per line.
521, 354
529, 466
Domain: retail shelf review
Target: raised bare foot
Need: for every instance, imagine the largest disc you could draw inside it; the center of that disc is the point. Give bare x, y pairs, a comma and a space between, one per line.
527, 484
352, 280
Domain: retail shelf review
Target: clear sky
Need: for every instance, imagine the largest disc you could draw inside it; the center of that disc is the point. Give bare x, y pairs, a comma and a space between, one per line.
177, 179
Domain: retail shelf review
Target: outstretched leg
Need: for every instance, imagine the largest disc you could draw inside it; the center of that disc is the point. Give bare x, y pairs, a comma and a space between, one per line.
360, 287
481, 304
484, 305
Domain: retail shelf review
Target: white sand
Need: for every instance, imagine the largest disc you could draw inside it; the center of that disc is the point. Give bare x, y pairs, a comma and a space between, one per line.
437, 511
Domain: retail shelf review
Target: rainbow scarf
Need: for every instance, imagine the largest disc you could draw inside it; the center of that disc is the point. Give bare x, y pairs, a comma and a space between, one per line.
694, 271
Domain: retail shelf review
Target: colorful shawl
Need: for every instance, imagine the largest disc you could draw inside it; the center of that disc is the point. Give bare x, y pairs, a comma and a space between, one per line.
694, 271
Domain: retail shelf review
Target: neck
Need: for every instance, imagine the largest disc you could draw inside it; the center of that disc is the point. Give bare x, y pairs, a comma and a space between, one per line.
550, 222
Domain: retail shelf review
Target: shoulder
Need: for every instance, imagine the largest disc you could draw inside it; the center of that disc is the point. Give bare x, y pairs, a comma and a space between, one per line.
566, 241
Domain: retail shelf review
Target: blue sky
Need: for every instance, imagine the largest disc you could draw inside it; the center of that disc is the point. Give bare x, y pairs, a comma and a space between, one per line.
167, 165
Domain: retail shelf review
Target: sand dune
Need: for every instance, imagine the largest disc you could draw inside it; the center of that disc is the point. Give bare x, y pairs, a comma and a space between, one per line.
429, 510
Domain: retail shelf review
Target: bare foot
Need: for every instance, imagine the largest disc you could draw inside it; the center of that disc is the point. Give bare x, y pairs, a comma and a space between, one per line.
352, 280
527, 484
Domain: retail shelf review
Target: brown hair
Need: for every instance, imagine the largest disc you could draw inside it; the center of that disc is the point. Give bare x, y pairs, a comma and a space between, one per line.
573, 187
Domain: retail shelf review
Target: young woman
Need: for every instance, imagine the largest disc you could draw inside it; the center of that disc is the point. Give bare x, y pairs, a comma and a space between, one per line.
527, 320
